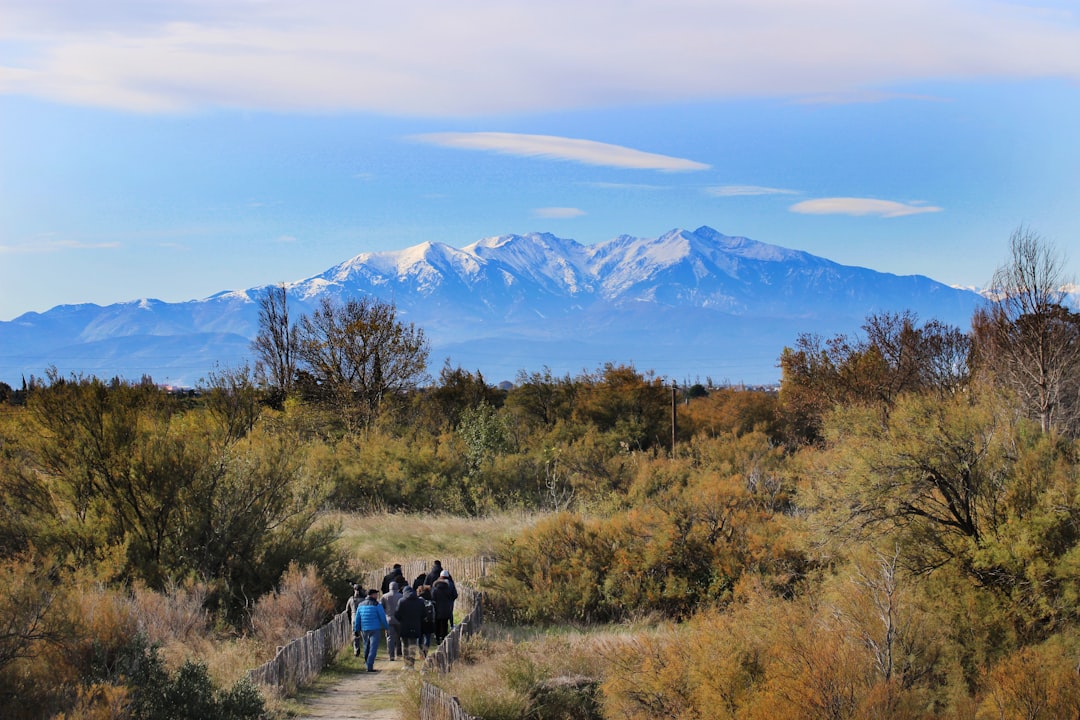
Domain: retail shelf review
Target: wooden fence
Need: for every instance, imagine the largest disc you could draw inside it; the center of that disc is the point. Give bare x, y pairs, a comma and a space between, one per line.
449, 649
437, 704
302, 659
461, 569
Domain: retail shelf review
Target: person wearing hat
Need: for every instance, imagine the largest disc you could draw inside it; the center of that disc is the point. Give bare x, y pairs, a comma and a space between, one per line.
389, 603
390, 577
354, 603
410, 617
436, 570
443, 594
371, 621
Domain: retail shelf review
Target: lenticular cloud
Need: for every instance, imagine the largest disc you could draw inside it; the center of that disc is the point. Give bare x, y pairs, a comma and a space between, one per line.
588, 152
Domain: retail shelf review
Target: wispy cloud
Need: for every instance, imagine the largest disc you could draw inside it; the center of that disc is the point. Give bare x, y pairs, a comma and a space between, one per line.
52, 246
557, 213
747, 190
433, 58
588, 152
861, 206
866, 96
623, 186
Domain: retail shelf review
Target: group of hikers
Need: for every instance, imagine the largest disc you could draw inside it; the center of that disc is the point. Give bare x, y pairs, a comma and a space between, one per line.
409, 614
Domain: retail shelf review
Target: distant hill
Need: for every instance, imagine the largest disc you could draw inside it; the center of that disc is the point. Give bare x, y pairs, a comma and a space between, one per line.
689, 305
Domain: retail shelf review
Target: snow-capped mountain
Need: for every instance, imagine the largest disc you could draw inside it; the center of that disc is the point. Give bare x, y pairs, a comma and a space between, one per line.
689, 305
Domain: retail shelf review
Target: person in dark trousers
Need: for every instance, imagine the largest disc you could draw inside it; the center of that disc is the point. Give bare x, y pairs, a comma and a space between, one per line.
351, 606
371, 622
436, 570
410, 617
443, 594
390, 577
389, 603
427, 627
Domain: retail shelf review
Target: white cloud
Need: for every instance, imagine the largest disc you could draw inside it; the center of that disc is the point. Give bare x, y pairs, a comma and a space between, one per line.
557, 213
747, 190
588, 152
623, 186
861, 206
429, 57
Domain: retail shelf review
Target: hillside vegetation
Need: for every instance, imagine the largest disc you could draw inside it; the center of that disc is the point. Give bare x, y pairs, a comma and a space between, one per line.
894, 533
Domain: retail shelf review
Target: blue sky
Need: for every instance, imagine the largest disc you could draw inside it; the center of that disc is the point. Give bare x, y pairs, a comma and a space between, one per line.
176, 149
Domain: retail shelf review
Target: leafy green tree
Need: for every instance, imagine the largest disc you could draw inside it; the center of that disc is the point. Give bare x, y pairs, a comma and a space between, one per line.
937, 474
259, 515
633, 408
130, 468
27, 508
456, 392
119, 475
1033, 560
233, 401
485, 434
541, 399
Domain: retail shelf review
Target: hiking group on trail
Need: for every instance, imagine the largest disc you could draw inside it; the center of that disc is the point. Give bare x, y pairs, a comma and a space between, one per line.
408, 614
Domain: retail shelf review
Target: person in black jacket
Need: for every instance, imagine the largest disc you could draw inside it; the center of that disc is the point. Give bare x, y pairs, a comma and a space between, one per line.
427, 627
443, 594
354, 602
409, 616
390, 577
436, 571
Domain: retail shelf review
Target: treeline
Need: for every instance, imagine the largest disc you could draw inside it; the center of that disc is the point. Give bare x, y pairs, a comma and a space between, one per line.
134, 516
907, 503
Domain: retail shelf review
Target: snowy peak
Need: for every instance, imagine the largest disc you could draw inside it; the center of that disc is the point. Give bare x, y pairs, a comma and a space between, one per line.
686, 303
554, 264
513, 275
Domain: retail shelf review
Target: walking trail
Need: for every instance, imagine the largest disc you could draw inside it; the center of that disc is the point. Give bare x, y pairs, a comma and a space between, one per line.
349, 692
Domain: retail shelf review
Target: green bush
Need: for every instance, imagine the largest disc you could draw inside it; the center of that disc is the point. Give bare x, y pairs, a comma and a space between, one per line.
189, 694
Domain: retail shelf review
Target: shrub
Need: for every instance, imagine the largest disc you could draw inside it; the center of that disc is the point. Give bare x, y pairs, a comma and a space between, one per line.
301, 603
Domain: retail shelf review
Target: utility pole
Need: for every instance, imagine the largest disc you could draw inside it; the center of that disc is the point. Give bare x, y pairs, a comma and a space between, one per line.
674, 414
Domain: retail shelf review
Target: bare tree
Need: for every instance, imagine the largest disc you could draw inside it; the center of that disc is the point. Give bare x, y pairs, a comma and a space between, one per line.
1028, 339
359, 352
277, 342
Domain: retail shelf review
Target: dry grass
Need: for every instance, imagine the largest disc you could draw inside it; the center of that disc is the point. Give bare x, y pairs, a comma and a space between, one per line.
301, 603
501, 665
391, 537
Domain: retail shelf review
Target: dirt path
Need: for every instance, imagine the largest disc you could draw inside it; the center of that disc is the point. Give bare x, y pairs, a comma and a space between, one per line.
347, 691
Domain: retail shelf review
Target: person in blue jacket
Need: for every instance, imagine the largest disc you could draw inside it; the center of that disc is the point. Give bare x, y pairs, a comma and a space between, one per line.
371, 621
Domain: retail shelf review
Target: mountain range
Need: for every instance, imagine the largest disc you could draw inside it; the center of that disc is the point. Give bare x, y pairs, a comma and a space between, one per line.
690, 305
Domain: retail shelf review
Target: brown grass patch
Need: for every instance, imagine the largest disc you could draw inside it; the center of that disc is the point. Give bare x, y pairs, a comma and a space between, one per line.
382, 538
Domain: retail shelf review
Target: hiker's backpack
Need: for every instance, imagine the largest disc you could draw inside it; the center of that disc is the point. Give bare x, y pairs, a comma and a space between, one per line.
429, 612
